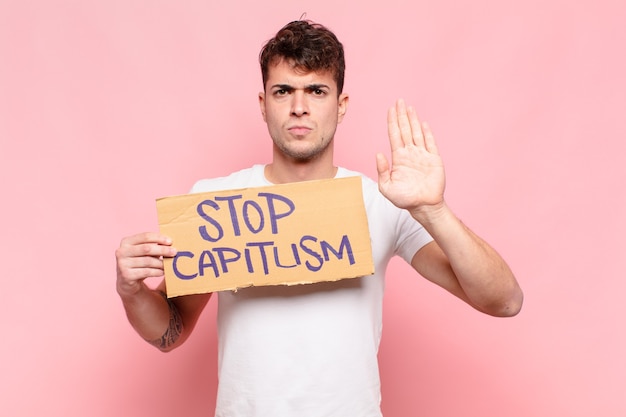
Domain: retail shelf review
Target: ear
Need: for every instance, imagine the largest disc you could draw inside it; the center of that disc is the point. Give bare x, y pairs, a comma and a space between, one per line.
342, 106
262, 105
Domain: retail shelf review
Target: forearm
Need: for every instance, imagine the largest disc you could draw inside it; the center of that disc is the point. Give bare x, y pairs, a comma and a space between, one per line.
154, 317
484, 277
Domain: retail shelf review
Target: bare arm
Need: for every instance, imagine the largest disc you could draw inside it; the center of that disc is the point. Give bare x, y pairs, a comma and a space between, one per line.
464, 264
164, 323
458, 260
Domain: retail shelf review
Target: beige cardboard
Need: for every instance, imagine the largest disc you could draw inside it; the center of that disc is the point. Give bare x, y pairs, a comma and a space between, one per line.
286, 234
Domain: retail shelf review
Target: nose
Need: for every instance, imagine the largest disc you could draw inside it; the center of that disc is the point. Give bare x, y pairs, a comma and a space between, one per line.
299, 105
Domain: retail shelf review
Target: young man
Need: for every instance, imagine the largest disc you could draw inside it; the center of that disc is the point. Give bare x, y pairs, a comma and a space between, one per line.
311, 350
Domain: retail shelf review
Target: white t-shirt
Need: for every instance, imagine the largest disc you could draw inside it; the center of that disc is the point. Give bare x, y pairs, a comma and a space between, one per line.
309, 350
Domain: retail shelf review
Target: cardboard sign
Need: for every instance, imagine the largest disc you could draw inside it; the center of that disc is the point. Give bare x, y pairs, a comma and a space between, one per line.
286, 234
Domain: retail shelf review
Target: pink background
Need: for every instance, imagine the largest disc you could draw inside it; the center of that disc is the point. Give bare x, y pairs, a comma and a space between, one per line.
105, 106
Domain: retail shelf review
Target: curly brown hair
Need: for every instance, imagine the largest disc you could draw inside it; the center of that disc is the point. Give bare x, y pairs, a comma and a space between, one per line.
309, 47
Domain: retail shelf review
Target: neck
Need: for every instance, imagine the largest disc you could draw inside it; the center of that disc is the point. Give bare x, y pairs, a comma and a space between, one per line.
284, 170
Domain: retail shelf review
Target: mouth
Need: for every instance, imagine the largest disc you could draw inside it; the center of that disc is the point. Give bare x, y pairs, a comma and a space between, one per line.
299, 130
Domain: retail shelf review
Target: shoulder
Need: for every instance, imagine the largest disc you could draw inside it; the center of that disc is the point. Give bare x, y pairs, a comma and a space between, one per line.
372, 196
248, 177
370, 187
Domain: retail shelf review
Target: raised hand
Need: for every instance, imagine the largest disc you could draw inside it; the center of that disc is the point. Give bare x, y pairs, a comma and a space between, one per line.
415, 179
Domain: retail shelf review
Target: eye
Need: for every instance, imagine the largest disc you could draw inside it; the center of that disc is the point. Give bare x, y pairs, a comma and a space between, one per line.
319, 92
280, 92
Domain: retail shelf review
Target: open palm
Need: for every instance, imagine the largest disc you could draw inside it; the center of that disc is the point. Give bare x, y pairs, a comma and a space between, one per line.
415, 178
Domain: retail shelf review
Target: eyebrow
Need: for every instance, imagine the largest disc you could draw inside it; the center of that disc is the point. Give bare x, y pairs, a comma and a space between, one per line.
309, 87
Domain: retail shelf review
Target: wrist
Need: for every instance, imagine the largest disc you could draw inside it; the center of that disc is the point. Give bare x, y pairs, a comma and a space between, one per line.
430, 214
130, 291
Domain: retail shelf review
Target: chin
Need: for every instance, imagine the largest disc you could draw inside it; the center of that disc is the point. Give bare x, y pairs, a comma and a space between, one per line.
303, 153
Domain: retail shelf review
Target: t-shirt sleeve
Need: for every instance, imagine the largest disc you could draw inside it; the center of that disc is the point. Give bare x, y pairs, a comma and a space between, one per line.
411, 236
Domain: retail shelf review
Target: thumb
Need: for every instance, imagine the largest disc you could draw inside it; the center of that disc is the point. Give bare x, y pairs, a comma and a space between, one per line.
382, 166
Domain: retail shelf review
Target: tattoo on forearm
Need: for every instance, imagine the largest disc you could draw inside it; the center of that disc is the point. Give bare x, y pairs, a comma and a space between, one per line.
174, 329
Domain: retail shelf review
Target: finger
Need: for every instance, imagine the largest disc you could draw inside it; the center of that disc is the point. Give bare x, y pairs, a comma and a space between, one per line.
429, 139
416, 127
139, 274
151, 249
147, 237
137, 269
151, 262
127, 251
393, 130
404, 124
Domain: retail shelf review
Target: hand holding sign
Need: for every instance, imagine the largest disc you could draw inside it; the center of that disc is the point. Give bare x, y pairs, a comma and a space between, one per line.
415, 179
140, 257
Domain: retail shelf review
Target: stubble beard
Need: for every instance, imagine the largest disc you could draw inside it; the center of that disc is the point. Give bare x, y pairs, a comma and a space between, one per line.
303, 155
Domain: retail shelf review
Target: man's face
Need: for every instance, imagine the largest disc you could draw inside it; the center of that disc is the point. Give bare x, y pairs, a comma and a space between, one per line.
301, 110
